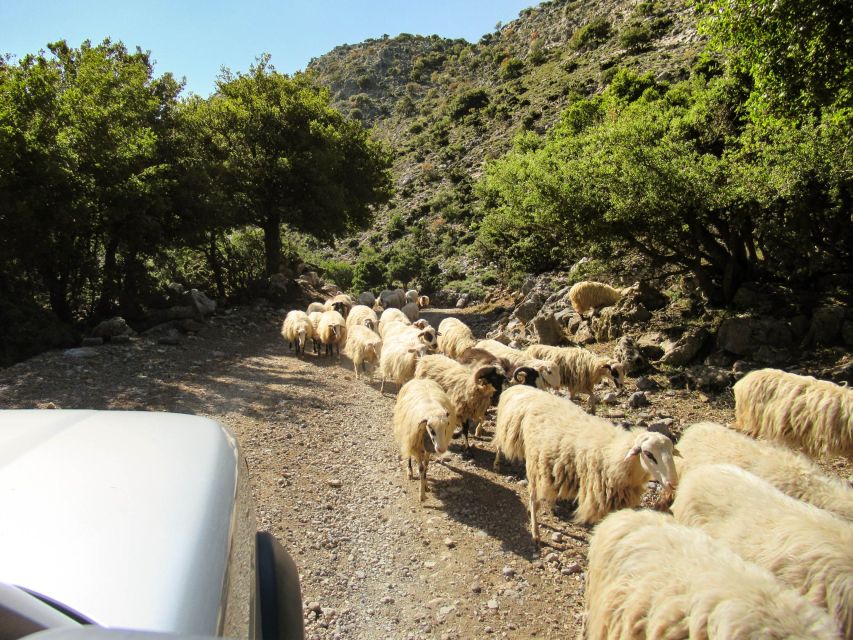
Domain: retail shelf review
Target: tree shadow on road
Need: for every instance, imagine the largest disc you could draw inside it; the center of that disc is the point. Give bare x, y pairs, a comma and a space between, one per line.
478, 502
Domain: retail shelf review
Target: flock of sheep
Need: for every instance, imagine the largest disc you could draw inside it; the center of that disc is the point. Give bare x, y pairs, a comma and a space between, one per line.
760, 540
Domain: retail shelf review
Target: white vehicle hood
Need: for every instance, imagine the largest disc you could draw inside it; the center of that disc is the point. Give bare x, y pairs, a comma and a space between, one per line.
122, 516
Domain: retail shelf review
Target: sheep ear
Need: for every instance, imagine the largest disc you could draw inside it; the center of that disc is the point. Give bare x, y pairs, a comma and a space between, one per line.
438, 333
635, 451
676, 452
521, 376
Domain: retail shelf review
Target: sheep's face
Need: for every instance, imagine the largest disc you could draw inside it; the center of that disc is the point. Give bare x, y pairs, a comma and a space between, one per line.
369, 324
300, 338
548, 373
615, 372
439, 430
429, 338
528, 376
656, 454
420, 324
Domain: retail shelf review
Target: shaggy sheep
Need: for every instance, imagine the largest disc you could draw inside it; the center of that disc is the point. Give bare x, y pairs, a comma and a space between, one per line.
580, 370
367, 299
571, 454
454, 337
395, 298
806, 548
801, 411
792, 473
421, 324
550, 374
410, 310
363, 346
412, 296
588, 295
650, 577
332, 331
314, 317
397, 362
341, 303
527, 376
297, 328
315, 307
390, 316
362, 315
423, 301
411, 335
424, 422
470, 391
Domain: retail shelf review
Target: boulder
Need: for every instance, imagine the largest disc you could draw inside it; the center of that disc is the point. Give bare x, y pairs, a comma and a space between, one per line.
686, 348
638, 399
548, 329
613, 321
462, 302
825, 328
564, 316
629, 354
278, 286
528, 309
775, 356
108, 329
743, 335
648, 296
650, 343
575, 322
706, 378
584, 334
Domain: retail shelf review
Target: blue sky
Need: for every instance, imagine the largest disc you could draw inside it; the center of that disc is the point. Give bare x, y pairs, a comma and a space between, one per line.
194, 38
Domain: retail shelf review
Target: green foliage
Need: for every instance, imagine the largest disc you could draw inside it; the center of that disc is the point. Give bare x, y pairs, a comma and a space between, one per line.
797, 51
339, 272
404, 261
510, 69
591, 34
468, 101
635, 36
368, 274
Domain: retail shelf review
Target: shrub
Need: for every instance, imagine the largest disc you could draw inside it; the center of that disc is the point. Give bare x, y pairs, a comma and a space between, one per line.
339, 272
510, 69
468, 101
591, 34
369, 271
635, 36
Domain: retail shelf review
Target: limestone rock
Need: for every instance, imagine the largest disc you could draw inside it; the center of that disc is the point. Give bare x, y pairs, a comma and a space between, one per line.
825, 327
686, 348
116, 326
548, 329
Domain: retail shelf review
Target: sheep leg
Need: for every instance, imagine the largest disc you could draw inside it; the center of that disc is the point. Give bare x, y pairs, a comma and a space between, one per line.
497, 465
410, 475
355, 366
534, 523
382, 386
478, 429
467, 452
592, 401
422, 475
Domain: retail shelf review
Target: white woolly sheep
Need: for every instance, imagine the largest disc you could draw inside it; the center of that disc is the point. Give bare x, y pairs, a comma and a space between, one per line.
471, 391
806, 548
398, 360
412, 296
421, 323
800, 411
424, 422
296, 329
792, 473
363, 346
550, 374
332, 331
342, 303
367, 299
454, 336
529, 376
314, 317
315, 307
571, 454
410, 310
650, 577
390, 316
392, 298
423, 301
588, 295
410, 334
362, 315
580, 370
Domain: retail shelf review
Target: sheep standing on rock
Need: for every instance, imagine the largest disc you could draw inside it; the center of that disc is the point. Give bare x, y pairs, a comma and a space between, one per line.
801, 411
588, 295
550, 374
806, 548
470, 391
297, 328
424, 421
571, 454
792, 473
364, 316
580, 370
454, 337
332, 331
363, 346
650, 577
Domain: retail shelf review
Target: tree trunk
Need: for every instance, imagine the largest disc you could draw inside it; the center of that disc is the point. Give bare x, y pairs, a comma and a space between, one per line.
272, 242
108, 289
58, 290
215, 265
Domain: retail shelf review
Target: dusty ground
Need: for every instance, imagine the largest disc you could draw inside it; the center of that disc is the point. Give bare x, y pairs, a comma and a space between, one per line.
374, 562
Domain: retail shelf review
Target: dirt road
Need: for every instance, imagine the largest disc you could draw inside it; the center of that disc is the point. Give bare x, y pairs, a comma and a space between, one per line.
326, 477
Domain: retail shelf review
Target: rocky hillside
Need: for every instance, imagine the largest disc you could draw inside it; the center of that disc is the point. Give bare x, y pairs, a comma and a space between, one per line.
444, 107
